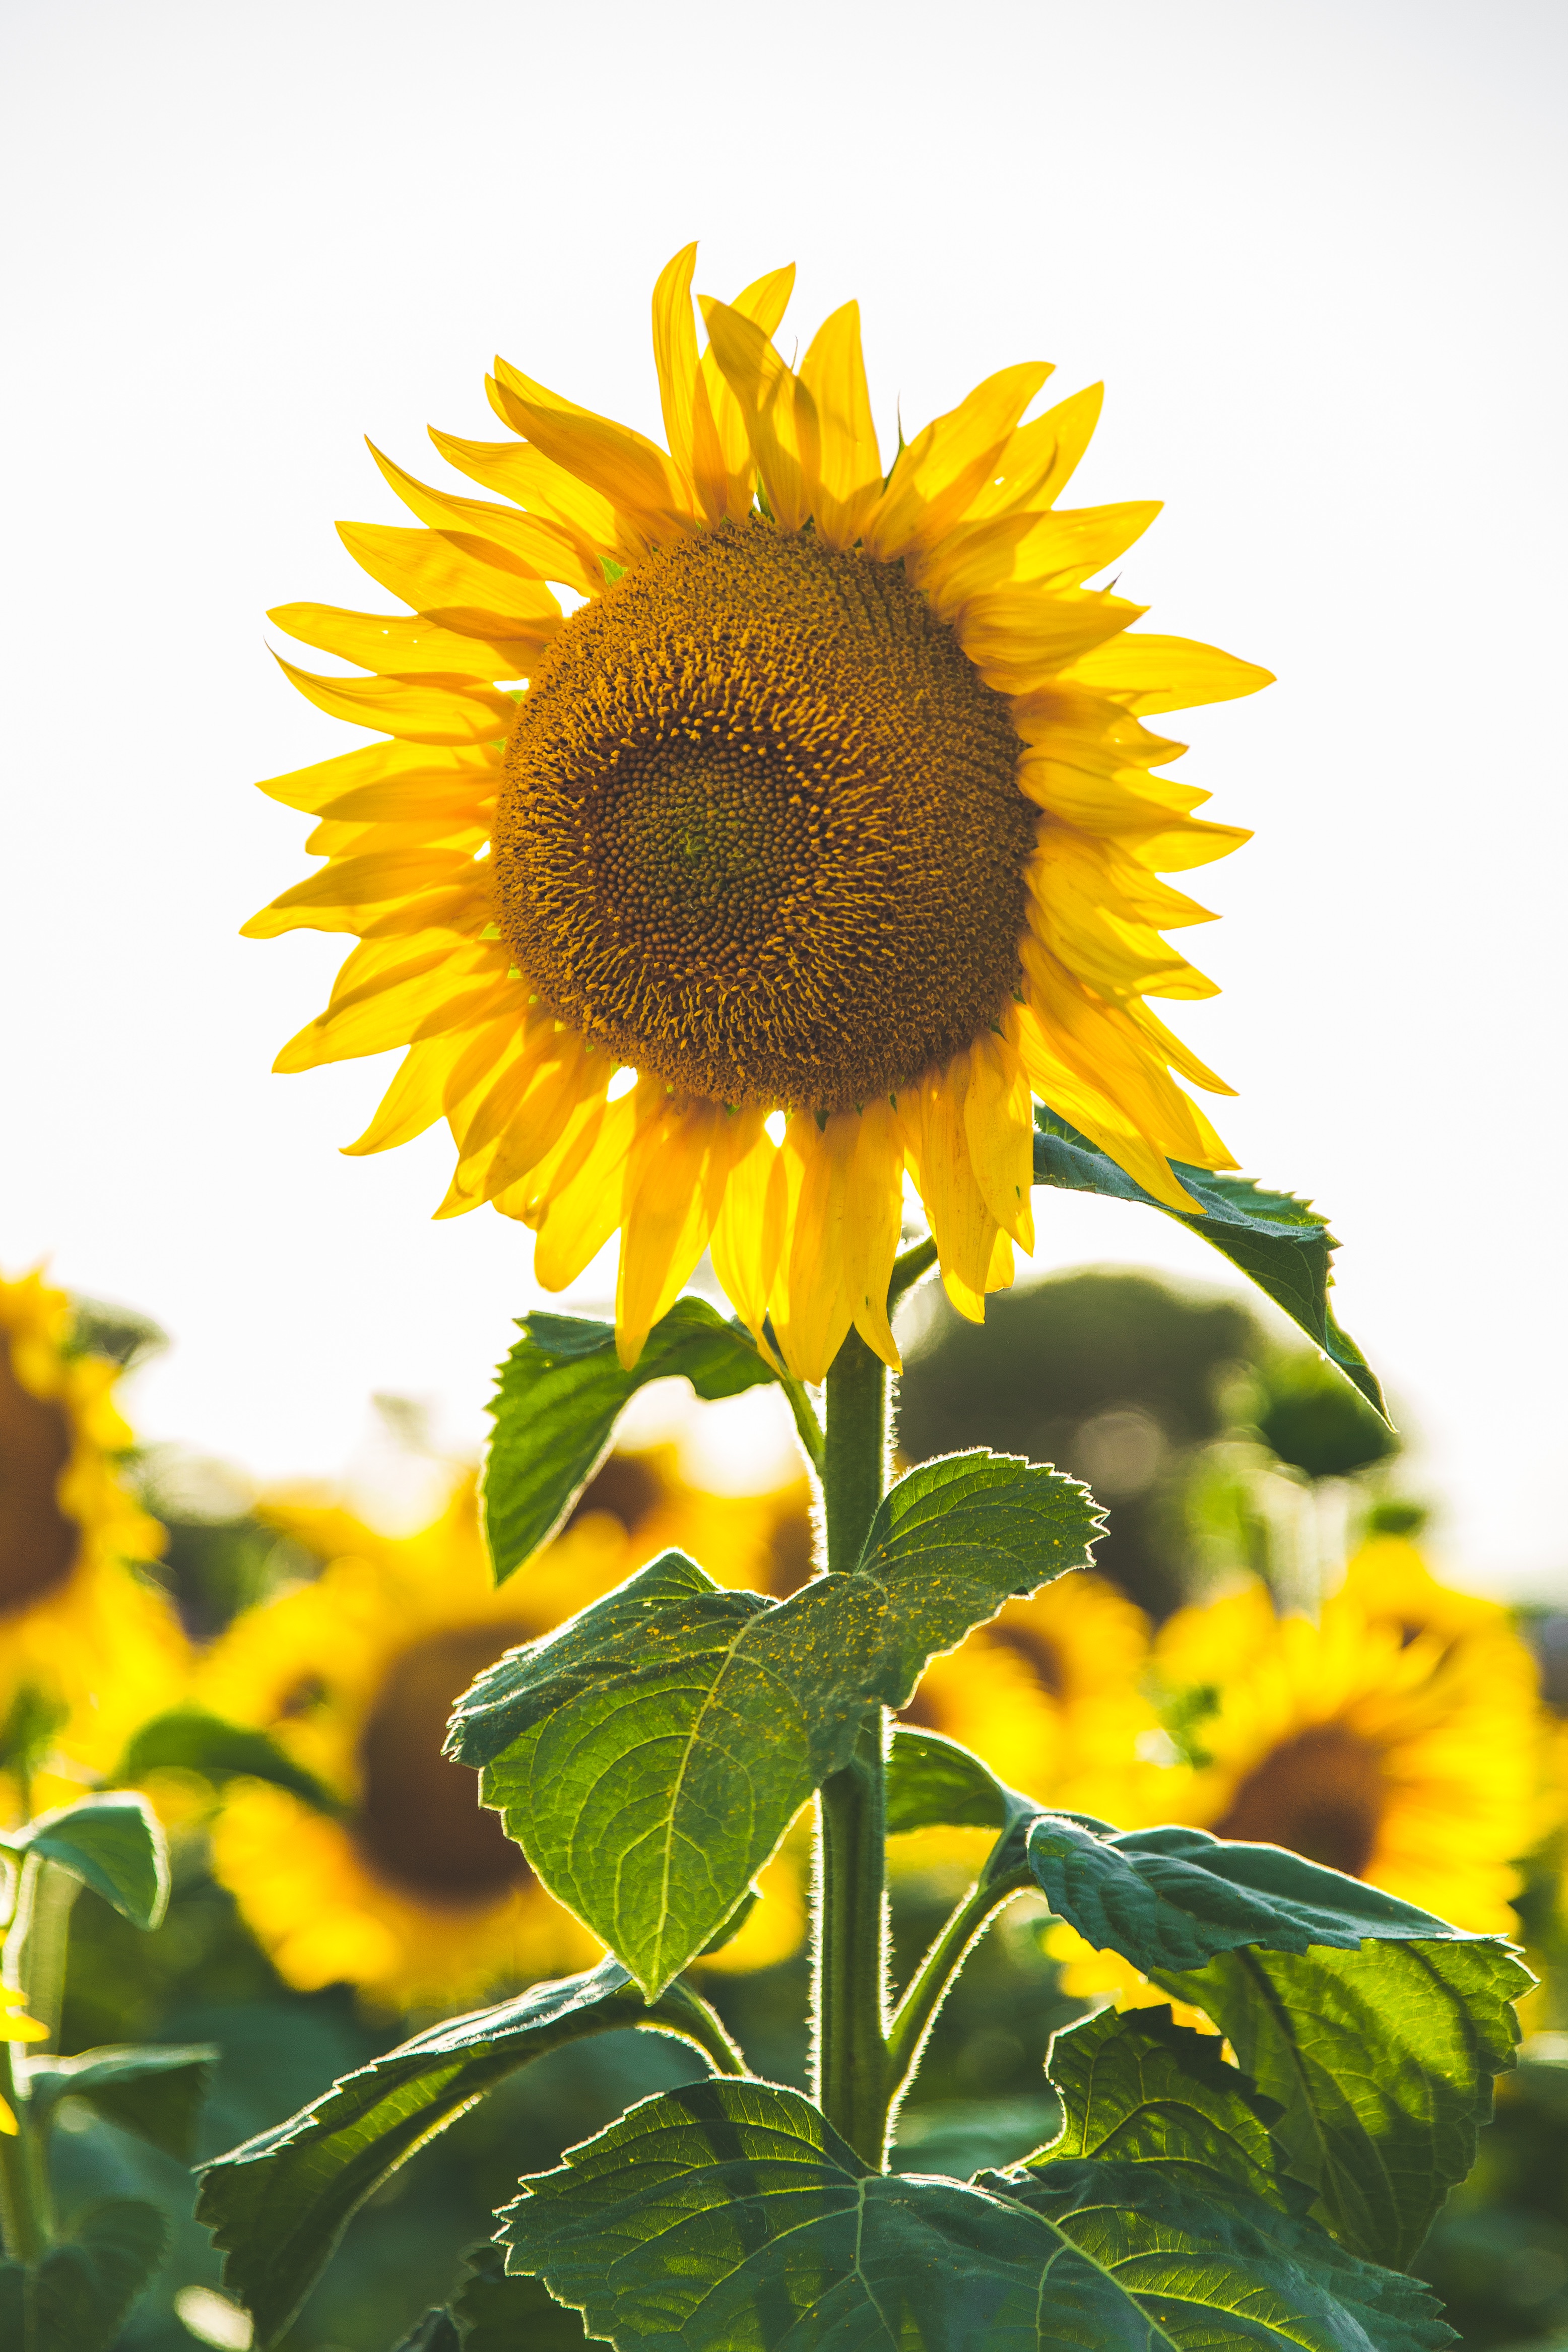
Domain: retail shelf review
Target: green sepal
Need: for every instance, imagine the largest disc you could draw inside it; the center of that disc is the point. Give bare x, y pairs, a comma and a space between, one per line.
650, 1755
559, 1395
1382, 2061
1137, 2087
154, 2090
190, 1739
1172, 1898
113, 1843
277, 2205
1277, 1242
731, 2217
76, 2298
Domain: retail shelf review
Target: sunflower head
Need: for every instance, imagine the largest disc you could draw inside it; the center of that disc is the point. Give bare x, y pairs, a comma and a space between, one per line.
827, 807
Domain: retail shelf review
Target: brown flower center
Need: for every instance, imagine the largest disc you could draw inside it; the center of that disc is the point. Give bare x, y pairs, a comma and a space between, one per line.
1321, 1794
38, 1544
760, 831
420, 1822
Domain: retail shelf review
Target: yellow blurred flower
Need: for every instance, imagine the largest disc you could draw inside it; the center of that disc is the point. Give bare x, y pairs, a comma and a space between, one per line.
79, 1628
1399, 1739
415, 1894
15, 2025
1050, 1695
830, 798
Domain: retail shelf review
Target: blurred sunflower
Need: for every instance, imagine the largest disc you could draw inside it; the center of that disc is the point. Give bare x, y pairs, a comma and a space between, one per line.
414, 1892
1399, 1739
1050, 1693
828, 809
85, 1647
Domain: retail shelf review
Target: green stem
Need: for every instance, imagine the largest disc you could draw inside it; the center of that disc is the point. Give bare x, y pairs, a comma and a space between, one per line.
907, 1270
808, 1429
851, 1938
19, 2207
35, 1948
928, 1988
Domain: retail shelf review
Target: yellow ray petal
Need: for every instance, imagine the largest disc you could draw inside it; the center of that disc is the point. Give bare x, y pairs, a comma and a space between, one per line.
963, 1227
579, 1219
999, 1127
392, 642
1173, 1051
748, 1232
780, 414
1151, 673
1040, 459
1016, 635
394, 765
623, 467
849, 463
676, 1174
534, 482
873, 1216
416, 710
812, 1302
674, 356
368, 881
456, 579
412, 1102
935, 480
1061, 548
764, 302
541, 546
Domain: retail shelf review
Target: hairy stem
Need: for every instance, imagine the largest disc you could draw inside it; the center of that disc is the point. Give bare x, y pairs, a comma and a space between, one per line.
851, 1891
683, 2009
928, 1988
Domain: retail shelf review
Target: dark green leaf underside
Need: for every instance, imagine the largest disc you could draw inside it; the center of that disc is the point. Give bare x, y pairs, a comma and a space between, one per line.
112, 1843
189, 1739
154, 2092
1277, 1240
76, 2298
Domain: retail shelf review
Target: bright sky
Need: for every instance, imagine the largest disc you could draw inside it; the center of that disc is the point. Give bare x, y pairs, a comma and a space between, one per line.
1314, 250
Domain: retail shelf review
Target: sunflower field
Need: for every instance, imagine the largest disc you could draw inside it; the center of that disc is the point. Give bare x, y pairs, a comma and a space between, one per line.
1059, 1865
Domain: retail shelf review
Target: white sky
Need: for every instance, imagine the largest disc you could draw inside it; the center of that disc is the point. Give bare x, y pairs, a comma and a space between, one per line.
1314, 249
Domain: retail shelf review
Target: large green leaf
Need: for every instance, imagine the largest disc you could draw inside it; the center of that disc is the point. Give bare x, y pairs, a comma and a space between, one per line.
1381, 2059
77, 2297
1172, 1898
113, 1843
189, 1739
730, 2217
559, 1395
650, 1755
278, 2204
1139, 2088
156, 2092
498, 2314
933, 1782
1278, 1243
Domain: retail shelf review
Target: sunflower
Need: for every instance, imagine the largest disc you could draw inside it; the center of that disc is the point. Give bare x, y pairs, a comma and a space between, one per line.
413, 1892
85, 1644
1398, 1739
1049, 1692
818, 839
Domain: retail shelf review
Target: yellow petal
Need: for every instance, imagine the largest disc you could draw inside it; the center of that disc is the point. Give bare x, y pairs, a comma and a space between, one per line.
935, 480
963, 1227
9, 2124
999, 1127
1040, 459
533, 481
673, 1188
780, 416
873, 1218
412, 1102
764, 302
850, 464
675, 356
392, 642
369, 881
539, 546
456, 579
749, 1228
1063, 549
1151, 673
623, 467
1017, 635
416, 711
394, 765
581, 1216
813, 1306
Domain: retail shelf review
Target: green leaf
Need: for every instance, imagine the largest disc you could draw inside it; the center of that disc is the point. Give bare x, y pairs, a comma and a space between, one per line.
278, 2204
78, 2296
559, 1395
1277, 1242
113, 1843
1139, 2088
730, 2217
934, 1782
189, 1739
497, 2313
649, 1756
1381, 2059
1172, 1898
153, 2091
1209, 2265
